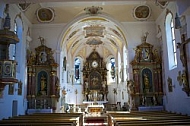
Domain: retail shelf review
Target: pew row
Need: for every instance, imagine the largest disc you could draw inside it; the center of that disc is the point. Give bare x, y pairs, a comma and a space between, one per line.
152, 118
49, 119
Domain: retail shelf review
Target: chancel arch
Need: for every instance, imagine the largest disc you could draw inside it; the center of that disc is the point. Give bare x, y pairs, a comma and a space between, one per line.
101, 35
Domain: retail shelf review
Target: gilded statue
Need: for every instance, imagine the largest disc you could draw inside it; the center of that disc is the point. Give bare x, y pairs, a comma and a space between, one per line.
137, 52
42, 40
130, 87
184, 79
156, 56
104, 85
86, 86
32, 58
146, 81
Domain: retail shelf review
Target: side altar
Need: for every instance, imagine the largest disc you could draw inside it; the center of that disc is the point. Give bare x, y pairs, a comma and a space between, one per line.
42, 82
146, 92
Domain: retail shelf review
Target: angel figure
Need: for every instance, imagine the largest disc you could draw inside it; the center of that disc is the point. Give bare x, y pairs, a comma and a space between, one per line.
42, 40
130, 87
184, 79
137, 51
156, 55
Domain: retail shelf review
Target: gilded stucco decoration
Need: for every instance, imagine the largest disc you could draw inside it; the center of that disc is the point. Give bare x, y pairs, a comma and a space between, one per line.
72, 34
183, 81
94, 30
112, 41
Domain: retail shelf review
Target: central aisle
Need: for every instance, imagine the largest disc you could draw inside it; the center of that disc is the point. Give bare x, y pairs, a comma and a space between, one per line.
93, 120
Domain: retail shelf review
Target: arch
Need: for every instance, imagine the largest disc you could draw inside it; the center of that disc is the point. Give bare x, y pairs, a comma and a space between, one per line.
19, 46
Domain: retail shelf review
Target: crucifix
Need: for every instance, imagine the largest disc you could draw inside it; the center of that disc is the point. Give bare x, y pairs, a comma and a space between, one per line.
183, 57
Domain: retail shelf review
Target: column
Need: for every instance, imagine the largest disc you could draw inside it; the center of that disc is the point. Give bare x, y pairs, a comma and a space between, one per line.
52, 84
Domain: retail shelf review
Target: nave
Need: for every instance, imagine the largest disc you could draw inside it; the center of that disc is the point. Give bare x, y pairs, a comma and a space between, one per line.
109, 118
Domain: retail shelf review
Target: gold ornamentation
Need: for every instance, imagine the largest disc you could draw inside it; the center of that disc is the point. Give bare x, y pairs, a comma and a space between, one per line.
170, 85
182, 79
130, 87
93, 10
146, 81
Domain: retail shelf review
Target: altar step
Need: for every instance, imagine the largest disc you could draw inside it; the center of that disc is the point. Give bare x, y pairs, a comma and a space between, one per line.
95, 124
96, 121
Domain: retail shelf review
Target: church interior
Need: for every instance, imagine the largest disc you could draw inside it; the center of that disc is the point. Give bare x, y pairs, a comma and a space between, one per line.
112, 62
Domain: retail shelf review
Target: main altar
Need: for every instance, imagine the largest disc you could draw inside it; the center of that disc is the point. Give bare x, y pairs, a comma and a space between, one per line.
95, 89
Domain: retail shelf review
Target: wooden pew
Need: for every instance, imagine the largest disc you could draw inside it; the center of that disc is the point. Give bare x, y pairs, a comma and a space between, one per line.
147, 118
69, 119
38, 122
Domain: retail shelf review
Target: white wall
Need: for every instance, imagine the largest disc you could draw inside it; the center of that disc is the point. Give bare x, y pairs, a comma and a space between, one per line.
176, 101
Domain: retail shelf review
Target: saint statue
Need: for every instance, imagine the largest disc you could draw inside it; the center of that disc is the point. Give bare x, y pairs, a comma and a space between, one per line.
146, 81
104, 85
43, 57
43, 83
86, 86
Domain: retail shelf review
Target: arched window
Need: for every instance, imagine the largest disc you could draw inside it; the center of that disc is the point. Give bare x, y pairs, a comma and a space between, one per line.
125, 63
77, 70
112, 68
171, 42
19, 47
12, 47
